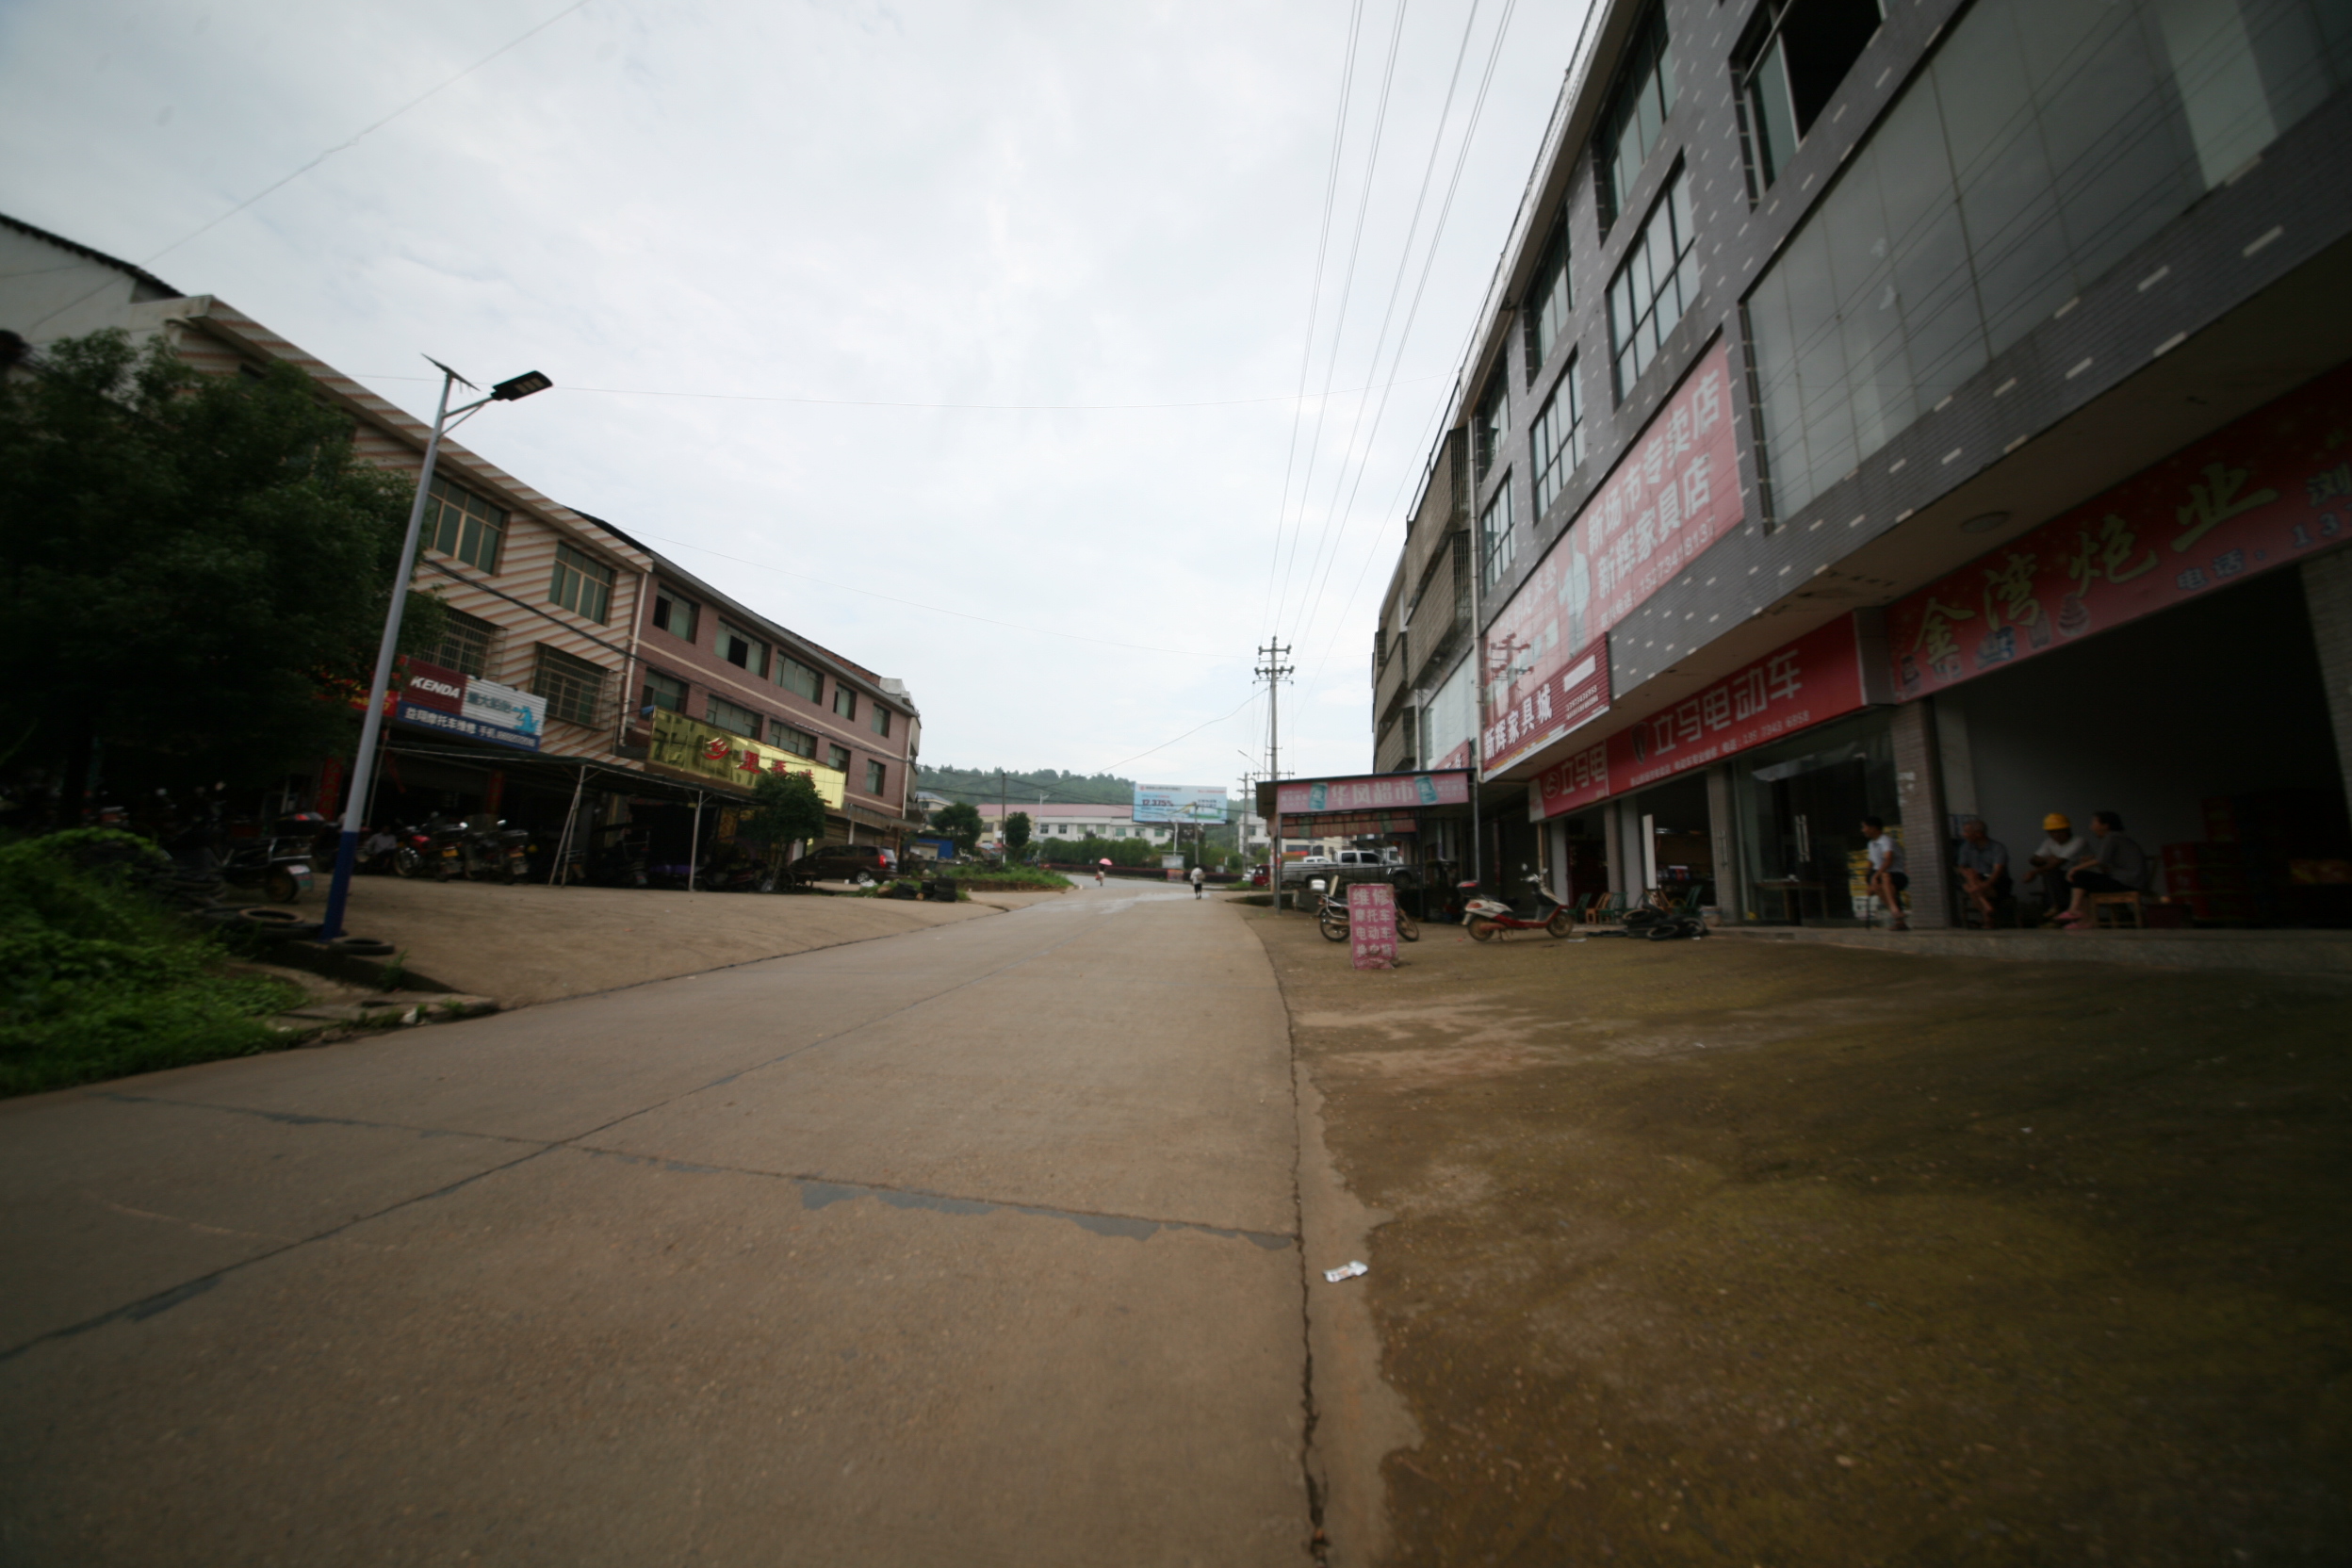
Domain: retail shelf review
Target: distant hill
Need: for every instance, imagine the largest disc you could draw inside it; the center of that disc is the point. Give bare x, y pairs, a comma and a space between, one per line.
979, 786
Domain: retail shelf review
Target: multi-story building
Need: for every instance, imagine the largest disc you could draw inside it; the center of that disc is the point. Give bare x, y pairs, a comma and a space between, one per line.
1920, 411
1056, 820
565, 644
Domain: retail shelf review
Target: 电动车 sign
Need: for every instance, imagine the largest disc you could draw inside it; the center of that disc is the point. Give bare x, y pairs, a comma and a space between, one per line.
2267, 491
1813, 679
1180, 803
708, 754
1675, 492
1372, 924
1371, 793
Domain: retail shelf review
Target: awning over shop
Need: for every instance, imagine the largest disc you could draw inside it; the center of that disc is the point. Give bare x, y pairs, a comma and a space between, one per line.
1360, 804
551, 772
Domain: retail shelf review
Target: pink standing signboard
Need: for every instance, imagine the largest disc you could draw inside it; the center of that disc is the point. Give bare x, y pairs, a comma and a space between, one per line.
1675, 492
2265, 492
1814, 679
1372, 924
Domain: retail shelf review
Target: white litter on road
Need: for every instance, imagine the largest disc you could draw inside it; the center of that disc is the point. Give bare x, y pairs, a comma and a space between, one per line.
1346, 1271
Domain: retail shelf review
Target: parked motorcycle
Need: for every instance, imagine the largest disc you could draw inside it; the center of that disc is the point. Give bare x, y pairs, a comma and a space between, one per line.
1489, 917
1332, 916
492, 852
279, 864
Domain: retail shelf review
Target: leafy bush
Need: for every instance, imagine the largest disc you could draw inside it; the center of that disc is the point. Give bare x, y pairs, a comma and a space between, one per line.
1009, 877
97, 981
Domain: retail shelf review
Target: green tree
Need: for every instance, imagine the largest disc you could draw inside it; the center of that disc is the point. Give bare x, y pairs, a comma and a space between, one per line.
1016, 832
960, 821
195, 568
785, 809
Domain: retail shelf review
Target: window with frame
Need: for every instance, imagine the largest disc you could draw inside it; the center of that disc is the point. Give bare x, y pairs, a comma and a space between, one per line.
1657, 281
876, 776
581, 585
664, 692
1548, 302
732, 717
844, 701
1497, 536
573, 687
1559, 440
1635, 117
1490, 426
838, 759
674, 614
466, 644
798, 742
878, 718
1788, 66
461, 524
797, 677
743, 651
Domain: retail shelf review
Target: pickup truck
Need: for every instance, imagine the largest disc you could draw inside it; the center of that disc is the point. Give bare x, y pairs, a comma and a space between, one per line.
1351, 865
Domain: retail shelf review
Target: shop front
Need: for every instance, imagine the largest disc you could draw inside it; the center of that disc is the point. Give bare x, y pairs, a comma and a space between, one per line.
1420, 815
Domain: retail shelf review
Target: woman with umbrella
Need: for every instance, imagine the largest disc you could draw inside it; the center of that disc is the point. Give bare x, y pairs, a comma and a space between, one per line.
1098, 871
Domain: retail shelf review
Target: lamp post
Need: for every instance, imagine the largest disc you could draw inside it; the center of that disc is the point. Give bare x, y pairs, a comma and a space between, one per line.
445, 419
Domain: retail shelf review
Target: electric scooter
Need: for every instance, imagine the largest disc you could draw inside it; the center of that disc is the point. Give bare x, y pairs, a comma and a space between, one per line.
1489, 917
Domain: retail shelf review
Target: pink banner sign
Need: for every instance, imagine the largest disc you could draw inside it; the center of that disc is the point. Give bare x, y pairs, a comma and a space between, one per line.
2263, 493
1675, 492
1372, 924
1814, 679
1373, 792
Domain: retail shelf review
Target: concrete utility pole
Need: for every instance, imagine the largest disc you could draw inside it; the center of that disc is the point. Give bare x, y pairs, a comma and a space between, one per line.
1274, 672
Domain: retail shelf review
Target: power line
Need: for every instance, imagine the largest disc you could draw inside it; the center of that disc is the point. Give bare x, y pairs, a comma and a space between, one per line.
878, 402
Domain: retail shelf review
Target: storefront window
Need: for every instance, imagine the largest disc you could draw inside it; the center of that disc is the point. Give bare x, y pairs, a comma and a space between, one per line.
1800, 807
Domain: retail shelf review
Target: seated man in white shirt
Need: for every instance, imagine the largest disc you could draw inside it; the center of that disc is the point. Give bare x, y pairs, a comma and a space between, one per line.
2060, 849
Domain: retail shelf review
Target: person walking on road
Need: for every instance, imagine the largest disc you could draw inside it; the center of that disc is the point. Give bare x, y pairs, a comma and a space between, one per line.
1098, 876
1199, 877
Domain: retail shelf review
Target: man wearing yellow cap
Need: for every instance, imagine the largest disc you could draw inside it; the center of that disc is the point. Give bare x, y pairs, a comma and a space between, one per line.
2061, 848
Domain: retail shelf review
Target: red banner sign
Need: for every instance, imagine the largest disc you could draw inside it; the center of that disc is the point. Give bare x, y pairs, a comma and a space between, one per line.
1372, 924
2263, 493
1675, 492
431, 686
1814, 679
1372, 792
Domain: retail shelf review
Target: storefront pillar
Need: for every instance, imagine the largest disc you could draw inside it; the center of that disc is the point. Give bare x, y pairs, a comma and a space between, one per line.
1723, 838
1614, 847
1920, 794
2328, 595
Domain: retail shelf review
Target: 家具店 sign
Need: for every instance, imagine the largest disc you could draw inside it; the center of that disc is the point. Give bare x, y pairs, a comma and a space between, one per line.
2266, 491
1675, 492
436, 698
1814, 679
708, 754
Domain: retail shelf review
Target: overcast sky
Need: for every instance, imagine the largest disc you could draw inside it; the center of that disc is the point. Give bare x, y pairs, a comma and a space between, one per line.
858, 204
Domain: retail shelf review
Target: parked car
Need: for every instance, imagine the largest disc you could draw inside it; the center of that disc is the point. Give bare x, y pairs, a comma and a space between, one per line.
845, 863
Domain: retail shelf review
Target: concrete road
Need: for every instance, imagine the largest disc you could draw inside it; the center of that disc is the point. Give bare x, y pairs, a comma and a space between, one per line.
976, 1245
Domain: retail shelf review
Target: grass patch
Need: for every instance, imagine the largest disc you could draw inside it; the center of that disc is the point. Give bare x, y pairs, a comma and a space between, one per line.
1011, 878
97, 980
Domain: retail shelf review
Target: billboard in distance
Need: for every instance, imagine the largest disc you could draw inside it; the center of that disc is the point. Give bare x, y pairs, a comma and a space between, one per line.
1180, 803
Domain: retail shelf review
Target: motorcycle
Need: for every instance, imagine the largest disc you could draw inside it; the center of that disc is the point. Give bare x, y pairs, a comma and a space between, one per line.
1332, 916
1489, 917
280, 865
492, 852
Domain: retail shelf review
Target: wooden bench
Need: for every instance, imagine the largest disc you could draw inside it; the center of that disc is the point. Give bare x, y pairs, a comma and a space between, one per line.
2102, 903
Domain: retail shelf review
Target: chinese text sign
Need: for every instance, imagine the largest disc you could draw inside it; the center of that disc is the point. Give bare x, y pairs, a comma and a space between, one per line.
1372, 924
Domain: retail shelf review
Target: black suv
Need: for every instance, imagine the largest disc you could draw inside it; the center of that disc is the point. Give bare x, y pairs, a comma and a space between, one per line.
845, 863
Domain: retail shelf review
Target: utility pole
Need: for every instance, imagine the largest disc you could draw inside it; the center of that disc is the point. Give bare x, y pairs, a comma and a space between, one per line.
1003, 817
1274, 672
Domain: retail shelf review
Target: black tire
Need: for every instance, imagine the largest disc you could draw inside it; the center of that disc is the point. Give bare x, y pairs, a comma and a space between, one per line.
362, 947
1408, 928
1664, 931
1334, 929
281, 886
1559, 925
260, 917
518, 870
1483, 929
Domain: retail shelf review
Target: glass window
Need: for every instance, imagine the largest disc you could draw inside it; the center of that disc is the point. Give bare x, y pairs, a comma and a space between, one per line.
665, 690
460, 523
2043, 141
582, 584
1789, 64
878, 718
1548, 304
839, 757
673, 614
1491, 427
797, 677
743, 651
1559, 440
1636, 112
574, 688
798, 742
1657, 282
875, 774
1497, 536
727, 716
466, 644
844, 701
1800, 806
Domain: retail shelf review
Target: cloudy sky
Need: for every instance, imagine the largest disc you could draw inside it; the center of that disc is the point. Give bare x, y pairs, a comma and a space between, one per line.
774, 239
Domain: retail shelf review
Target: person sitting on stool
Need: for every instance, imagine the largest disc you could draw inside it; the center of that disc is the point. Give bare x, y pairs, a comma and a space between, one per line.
2115, 865
2061, 848
1887, 877
1984, 866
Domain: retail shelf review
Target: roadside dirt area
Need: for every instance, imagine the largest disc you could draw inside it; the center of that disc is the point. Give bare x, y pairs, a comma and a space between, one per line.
526, 944
1714, 1253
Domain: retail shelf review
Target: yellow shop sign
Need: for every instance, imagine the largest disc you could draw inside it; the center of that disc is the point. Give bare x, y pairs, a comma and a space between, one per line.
713, 756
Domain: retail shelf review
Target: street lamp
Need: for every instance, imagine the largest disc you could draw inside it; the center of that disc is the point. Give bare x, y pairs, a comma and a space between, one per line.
445, 419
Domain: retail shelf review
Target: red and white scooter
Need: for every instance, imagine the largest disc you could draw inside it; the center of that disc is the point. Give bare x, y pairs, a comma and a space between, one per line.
1489, 917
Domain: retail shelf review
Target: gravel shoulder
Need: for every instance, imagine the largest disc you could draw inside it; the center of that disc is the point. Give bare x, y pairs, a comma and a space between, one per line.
1718, 1252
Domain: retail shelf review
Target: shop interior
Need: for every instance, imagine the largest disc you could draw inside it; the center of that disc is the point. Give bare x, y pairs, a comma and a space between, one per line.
1800, 807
